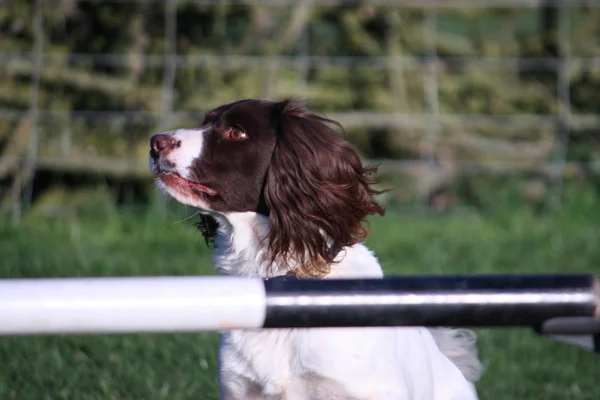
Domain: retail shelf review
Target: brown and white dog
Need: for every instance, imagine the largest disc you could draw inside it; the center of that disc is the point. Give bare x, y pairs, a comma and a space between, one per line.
280, 192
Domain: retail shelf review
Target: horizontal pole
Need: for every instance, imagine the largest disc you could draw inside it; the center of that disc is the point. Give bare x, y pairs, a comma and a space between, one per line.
22, 61
419, 4
476, 301
216, 303
128, 305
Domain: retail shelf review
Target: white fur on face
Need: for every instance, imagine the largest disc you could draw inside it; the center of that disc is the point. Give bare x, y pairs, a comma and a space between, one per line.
192, 141
179, 160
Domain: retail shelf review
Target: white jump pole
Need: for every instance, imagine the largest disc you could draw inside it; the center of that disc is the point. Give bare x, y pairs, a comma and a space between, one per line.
553, 304
127, 305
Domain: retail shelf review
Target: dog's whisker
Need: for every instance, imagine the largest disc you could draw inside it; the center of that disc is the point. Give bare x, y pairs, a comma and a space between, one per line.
186, 218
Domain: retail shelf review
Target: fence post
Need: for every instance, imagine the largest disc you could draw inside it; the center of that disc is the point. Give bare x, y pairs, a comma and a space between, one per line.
22, 190
563, 89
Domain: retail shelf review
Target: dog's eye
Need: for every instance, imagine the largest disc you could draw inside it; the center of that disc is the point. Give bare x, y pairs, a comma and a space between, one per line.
236, 134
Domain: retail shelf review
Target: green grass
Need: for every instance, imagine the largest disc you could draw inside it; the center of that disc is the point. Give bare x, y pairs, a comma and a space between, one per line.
520, 365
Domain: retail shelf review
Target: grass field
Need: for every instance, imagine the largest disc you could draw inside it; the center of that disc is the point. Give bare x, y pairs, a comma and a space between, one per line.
520, 365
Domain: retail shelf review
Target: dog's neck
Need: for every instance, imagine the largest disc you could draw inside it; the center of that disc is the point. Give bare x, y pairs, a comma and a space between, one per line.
241, 247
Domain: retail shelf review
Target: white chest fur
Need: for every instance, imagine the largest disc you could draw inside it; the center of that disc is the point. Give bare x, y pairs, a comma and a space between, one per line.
335, 363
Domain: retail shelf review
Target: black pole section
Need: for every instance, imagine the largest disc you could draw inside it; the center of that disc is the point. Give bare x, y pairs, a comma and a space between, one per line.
467, 301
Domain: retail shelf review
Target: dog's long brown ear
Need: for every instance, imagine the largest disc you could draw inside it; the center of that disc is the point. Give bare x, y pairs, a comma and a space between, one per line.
317, 191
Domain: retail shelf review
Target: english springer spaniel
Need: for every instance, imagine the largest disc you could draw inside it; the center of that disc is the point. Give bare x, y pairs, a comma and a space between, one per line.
281, 193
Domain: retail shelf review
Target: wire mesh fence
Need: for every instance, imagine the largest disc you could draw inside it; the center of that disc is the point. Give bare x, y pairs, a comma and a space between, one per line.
429, 89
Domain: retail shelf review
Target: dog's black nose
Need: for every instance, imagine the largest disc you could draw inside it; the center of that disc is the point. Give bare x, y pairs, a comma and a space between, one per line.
160, 142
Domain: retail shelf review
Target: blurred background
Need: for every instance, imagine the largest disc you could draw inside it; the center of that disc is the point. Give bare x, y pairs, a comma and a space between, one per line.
483, 115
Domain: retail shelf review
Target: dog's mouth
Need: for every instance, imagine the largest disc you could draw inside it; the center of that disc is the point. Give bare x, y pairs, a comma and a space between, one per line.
176, 181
